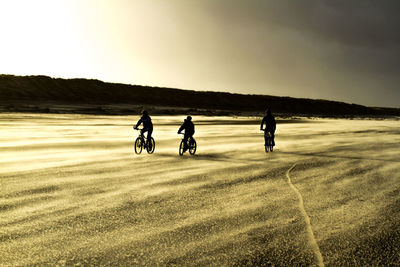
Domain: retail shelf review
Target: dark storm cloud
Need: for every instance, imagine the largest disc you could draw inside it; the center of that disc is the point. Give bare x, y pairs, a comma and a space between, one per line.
346, 50
353, 22
362, 23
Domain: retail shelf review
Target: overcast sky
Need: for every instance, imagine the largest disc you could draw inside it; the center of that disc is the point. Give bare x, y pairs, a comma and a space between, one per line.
326, 49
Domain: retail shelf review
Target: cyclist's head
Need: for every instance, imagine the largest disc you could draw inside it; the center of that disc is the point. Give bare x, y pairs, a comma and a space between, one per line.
268, 112
144, 112
189, 118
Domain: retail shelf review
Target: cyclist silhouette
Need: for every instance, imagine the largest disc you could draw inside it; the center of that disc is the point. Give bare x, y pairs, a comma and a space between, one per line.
147, 125
188, 126
270, 126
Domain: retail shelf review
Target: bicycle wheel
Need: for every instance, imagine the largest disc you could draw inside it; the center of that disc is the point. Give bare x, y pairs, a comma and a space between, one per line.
271, 147
150, 147
266, 140
192, 147
181, 147
138, 145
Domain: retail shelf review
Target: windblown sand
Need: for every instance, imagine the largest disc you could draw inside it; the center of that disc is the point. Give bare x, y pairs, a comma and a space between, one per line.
73, 192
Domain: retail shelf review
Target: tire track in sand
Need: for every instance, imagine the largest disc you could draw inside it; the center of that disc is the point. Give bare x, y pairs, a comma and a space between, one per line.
313, 242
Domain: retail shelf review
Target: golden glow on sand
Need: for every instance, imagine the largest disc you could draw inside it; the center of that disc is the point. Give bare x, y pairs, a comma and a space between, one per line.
74, 193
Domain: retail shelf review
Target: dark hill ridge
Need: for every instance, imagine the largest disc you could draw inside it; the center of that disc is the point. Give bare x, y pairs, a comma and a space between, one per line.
45, 94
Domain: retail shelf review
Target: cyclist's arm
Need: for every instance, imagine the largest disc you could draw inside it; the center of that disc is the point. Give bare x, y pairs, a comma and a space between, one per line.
181, 128
262, 123
138, 123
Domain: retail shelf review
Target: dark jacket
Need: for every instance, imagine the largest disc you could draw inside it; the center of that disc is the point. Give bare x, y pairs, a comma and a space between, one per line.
188, 126
270, 122
146, 120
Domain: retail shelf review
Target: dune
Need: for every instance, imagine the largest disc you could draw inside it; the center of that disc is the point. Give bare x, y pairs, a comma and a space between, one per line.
43, 94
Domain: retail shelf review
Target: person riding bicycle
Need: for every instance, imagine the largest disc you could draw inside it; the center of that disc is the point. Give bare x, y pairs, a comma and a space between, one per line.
270, 126
147, 126
188, 126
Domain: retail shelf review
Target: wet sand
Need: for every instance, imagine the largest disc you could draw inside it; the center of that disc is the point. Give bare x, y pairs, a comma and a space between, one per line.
74, 192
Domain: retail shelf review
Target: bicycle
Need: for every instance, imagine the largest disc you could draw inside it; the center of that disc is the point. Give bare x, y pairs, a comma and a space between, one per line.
268, 141
141, 143
191, 145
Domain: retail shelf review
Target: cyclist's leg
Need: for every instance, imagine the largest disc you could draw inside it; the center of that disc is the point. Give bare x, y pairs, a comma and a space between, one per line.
273, 138
185, 141
190, 139
149, 132
265, 137
142, 131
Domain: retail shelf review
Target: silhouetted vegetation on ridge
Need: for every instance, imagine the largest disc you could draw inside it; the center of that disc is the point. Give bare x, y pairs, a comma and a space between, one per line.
37, 90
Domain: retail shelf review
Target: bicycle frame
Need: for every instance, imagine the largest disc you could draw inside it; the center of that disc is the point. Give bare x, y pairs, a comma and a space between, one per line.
184, 137
141, 135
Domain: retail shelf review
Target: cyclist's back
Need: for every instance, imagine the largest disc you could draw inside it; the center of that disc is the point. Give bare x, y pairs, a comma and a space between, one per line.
146, 120
188, 126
